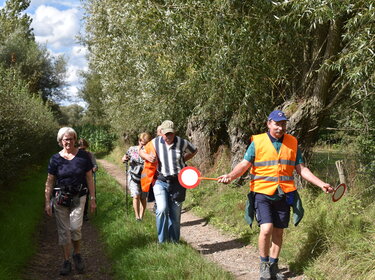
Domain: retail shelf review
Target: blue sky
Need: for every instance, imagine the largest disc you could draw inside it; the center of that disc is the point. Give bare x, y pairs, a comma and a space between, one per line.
56, 24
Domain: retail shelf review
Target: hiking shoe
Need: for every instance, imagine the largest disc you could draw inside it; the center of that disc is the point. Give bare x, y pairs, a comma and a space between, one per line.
265, 271
275, 275
78, 263
66, 269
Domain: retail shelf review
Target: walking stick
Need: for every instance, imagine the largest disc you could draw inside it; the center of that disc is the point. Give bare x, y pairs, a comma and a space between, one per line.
126, 186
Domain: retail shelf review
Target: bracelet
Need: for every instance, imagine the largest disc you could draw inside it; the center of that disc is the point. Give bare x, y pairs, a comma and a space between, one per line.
92, 197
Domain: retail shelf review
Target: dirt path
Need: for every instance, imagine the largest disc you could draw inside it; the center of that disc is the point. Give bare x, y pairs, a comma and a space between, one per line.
47, 262
239, 259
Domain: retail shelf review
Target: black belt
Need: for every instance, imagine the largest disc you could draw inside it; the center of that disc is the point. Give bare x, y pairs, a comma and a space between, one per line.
167, 179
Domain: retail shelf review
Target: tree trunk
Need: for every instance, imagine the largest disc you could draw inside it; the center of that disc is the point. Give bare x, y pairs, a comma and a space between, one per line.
200, 136
307, 113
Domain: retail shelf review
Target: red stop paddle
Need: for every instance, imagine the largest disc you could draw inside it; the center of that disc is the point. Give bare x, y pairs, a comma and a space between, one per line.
190, 177
339, 192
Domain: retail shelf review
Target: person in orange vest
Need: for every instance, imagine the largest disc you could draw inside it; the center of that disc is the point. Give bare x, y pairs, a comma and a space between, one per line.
272, 157
150, 158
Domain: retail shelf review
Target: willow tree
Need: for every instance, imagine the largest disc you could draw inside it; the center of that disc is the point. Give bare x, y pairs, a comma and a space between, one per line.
337, 60
217, 68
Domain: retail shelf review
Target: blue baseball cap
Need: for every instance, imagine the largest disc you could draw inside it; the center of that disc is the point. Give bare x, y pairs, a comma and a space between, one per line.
277, 116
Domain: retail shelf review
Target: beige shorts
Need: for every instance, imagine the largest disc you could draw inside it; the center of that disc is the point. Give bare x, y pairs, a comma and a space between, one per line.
69, 221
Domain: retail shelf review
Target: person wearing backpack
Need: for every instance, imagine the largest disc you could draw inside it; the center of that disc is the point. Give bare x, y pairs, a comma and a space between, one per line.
134, 175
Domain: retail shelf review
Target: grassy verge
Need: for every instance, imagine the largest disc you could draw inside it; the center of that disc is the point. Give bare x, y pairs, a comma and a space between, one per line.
333, 241
133, 247
21, 210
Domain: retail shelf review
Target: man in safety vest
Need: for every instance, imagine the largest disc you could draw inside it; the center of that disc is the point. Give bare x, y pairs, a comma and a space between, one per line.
272, 157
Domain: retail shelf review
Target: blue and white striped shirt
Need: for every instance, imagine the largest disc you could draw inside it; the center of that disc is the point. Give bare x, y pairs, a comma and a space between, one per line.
171, 157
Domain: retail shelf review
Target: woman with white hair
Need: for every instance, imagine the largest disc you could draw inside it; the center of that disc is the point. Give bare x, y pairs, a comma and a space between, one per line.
70, 176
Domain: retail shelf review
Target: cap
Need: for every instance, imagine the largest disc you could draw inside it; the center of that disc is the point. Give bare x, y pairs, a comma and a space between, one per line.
277, 116
167, 127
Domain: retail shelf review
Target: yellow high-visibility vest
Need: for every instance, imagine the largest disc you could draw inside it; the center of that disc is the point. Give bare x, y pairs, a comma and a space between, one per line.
271, 169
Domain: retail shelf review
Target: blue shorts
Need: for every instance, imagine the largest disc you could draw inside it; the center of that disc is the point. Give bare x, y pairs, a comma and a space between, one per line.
276, 212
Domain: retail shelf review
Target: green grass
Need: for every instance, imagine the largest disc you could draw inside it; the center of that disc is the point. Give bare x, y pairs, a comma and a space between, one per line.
21, 210
133, 247
333, 241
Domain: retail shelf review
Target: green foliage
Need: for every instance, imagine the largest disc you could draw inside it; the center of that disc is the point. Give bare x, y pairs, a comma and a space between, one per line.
18, 49
22, 208
71, 115
27, 127
227, 63
130, 243
100, 138
93, 95
177, 60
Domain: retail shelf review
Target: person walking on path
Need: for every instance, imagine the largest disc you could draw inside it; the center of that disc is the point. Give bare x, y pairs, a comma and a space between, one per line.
273, 157
70, 175
134, 175
84, 145
145, 156
169, 153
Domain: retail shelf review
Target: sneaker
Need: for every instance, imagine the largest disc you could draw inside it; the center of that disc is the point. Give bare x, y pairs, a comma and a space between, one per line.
265, 271
78, 263
275, 275
66, 269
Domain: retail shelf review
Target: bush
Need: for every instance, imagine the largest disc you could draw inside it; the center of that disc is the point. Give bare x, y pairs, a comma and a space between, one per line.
27, 127
100, 138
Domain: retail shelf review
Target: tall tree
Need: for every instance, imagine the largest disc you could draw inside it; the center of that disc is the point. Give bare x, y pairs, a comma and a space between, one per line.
45, 74
218, 68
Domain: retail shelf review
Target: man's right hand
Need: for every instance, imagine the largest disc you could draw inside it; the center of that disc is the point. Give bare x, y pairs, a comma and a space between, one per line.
48, 209
150, 157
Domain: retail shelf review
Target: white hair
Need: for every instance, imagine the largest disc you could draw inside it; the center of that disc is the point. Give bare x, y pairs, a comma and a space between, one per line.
63, 131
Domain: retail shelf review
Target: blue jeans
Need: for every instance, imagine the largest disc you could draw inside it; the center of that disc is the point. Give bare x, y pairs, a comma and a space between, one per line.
168, 214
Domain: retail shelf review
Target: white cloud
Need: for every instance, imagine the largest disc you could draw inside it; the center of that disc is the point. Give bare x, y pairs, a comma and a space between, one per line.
73, 98
78, 56
56, 28
72, 74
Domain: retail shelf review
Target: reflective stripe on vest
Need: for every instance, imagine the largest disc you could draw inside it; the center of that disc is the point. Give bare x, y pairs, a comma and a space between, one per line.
270, 168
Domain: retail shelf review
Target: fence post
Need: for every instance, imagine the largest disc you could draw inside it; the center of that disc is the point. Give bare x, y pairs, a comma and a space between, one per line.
340, 169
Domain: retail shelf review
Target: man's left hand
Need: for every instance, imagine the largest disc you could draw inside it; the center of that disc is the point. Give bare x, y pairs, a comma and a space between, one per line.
327, 188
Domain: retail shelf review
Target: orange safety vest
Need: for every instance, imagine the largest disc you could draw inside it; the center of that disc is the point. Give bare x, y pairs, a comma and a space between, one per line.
271, 169
149, 169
